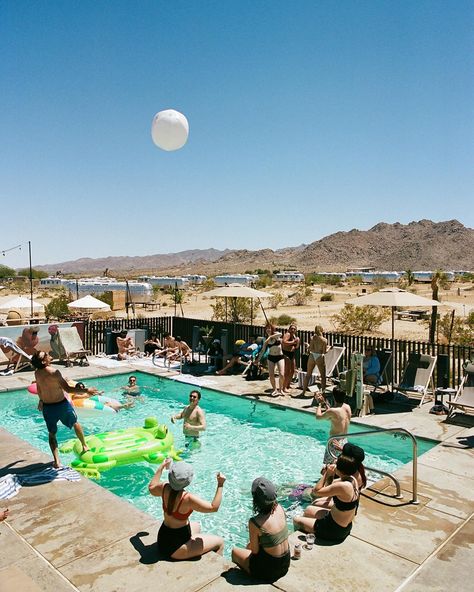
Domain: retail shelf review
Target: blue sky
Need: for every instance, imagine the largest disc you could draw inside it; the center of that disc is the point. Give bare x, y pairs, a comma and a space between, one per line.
306, 118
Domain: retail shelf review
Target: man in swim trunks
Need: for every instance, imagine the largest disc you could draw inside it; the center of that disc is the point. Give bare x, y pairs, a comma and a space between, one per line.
340, 417
194, 419
125, 346
55, 407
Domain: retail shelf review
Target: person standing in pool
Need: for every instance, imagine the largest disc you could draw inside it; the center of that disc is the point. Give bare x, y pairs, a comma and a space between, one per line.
55, 407
194, 420
340, 417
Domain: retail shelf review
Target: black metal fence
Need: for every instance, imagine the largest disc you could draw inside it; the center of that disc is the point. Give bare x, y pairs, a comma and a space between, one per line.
447, 373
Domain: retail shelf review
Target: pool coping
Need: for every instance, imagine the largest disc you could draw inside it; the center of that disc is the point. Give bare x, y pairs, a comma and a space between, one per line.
379, 558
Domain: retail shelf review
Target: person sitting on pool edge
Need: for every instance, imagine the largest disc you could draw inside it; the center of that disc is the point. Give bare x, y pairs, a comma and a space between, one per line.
194, 420
178, 538
267, 556
334, 523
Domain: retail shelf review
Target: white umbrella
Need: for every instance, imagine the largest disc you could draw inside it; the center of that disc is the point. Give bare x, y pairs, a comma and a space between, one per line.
88, 303
393, 297
238, 291
21, 304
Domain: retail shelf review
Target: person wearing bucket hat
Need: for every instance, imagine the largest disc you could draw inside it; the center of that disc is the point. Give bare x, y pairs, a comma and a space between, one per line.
178, 538
267, 556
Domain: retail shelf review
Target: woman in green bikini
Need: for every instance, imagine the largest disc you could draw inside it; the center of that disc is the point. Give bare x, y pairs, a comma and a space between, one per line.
267, 556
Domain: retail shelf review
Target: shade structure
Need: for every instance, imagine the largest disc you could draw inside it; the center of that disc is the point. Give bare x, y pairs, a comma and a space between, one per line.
236, 291
393, 297
22, 305
88, 304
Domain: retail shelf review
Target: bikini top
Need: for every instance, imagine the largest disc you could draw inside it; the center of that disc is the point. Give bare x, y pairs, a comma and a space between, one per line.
271, 540
175, 513
347, 506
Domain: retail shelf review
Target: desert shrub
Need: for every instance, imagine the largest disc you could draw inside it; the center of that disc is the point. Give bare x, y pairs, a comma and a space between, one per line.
208, 284
263, 281
276, 300
282, 321
327, 297
6, 272
459, 331
301, 296
359, 319
35, 273
238, 310
57, 308
106, 297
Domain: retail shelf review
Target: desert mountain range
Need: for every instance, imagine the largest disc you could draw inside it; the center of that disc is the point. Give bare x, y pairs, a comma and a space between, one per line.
418, 245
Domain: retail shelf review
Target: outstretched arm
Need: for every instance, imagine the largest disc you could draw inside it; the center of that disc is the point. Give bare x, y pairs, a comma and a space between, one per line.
205, 507
156, 485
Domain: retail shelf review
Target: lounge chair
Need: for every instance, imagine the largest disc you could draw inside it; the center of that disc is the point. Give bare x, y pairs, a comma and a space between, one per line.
464, 398
385, 359
17, 359
254, 355
73, 347
417, 376
332, 357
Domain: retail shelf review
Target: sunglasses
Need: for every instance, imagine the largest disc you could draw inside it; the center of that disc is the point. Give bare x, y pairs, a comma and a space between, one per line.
192, 397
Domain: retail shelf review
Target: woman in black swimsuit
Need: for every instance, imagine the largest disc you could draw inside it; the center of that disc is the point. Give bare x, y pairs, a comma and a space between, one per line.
290, 344
267, 556
334, 524
275, 358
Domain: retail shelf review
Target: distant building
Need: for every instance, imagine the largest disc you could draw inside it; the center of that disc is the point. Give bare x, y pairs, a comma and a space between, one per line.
196, 279
289, 276
138, 291
166, 281
245, 279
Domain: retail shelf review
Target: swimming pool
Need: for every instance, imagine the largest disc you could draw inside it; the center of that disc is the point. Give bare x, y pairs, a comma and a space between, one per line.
244, 439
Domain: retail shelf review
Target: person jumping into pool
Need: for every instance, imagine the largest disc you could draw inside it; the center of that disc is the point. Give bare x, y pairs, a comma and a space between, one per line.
340, 417
178, 538
194, 420
55, 407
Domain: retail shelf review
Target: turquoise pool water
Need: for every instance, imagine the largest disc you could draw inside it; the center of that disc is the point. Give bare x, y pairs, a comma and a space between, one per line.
244, 439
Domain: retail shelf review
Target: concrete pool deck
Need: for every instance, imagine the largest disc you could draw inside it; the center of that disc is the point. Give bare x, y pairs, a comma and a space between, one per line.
51, 543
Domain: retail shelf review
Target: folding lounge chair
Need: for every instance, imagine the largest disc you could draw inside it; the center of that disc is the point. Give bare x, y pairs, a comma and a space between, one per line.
332, 357
17, 358
73, 346
385, 359
417, 376
254, 355
464, 399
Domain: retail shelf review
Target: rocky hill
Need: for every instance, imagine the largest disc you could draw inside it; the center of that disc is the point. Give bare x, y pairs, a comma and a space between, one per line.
417, 245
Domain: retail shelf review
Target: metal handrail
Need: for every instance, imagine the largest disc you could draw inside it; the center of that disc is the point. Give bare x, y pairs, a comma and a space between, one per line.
405, 433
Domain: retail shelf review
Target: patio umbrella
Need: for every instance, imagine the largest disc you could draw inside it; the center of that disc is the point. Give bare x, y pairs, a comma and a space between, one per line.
393, 297
238, 291
88, 304
21, 304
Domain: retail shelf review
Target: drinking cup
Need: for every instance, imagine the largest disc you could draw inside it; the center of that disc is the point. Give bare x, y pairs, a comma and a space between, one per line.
309, 541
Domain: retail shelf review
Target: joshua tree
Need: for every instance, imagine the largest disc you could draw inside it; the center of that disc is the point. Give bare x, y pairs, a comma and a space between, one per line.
438, 280
410, 278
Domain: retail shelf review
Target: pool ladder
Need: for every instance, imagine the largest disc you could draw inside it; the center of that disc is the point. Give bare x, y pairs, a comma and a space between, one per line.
397, 432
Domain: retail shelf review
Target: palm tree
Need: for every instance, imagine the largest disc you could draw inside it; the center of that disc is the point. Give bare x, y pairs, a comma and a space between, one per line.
438, 280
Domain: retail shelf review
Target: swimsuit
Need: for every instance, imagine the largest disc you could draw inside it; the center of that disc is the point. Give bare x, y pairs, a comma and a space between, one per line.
263, 566
316, 356
289, 354
328, 529
275, 359
171, 539
62, 411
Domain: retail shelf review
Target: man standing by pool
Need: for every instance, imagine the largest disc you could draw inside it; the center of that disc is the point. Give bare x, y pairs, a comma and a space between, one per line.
340, 417
194, 420
55, 406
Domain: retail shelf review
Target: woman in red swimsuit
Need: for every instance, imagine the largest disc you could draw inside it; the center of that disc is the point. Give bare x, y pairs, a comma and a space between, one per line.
178, 538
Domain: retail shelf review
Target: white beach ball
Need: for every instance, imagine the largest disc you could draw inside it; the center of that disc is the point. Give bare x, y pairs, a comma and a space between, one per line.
169, 130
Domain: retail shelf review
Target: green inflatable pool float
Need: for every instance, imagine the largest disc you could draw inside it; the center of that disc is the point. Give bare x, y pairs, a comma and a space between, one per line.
152, 443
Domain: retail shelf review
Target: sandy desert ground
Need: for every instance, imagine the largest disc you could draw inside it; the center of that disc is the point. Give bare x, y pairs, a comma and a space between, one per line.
460, 297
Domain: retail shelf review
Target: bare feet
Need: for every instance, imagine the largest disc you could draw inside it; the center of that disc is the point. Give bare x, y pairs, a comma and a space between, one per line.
85, 449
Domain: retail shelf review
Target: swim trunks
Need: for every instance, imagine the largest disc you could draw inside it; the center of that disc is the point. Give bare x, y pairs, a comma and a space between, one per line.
192, 442
62, 411
289, 354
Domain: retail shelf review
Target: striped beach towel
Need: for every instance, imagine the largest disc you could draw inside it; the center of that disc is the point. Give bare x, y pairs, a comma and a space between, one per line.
11, 484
